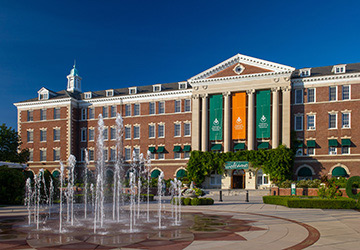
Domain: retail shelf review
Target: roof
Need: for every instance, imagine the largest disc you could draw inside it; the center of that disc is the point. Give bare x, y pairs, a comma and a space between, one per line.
327, 70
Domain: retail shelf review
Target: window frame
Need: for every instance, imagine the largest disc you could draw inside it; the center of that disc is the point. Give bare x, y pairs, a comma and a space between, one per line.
136, 132
329, 118
332, 150
342, 119
302, 122
55, 131
177, 106
92, 113
127, 110
161, 107
30, 115
349, 92
56, 152
127, 133
161, 130
177, 129
330, 93
105, 112
187, 124
56, 113
308, 127
43, 115
43, 154
301, 101
152, 108
136, 109
314, 95
43, 135
152, 128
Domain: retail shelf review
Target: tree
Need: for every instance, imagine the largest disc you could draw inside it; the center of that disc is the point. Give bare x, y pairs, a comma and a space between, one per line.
12, 186
10, 144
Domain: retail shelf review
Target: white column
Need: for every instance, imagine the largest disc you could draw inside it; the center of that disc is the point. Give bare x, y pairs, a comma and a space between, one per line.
275, 117
227, 122
251, 119
195, 123
286, 115
204, 124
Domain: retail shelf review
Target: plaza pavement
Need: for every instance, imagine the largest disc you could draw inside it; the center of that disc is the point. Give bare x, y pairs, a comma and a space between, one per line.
280, 227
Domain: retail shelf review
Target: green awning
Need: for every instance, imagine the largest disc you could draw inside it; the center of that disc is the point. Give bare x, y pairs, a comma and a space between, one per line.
155, 173
56, 174
305, 172
181, 173
187, 148
239, 146
263, 145
339, 172
161, 149
311, 144
177, 148
152, 149
333, 143
216, 147
345, 142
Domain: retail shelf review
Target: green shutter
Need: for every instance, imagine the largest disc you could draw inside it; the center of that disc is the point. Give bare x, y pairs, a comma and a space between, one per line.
216, 117
181, 173
187, 148
333, 143
345, 142
311, 144
263, 145
239, 146
155, 173
216, 147
161, 149
152, 149
263, 119
339, 172
177, 148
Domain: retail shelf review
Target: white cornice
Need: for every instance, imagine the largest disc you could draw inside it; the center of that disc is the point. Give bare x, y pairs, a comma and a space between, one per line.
239, 58
325, 79
42, 103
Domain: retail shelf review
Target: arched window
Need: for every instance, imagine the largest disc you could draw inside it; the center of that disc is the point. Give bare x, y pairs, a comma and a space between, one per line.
155, 173
339, 172
305, 173
56, 173
181, 173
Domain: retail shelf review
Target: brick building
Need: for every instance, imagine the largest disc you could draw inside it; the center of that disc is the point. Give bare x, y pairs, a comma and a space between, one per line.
241, 103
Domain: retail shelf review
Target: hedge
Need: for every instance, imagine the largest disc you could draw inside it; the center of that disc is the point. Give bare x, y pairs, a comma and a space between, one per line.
306, 202
193, 201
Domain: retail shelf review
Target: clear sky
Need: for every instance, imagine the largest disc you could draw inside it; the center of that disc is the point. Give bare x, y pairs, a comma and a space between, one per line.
131, 43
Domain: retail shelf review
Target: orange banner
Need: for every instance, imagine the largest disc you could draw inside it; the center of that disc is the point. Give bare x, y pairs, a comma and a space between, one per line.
239, 116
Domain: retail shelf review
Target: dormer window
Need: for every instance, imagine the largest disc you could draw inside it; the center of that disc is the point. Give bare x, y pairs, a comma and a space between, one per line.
44, 94
338, 69
132, 90
88, 95
305, 72
157, 88
182, 85
110, 92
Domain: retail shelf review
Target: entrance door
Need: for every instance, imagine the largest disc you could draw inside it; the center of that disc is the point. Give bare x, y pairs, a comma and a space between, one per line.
238, 179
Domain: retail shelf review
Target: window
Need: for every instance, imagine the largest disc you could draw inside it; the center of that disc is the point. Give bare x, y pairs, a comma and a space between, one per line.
137, 152
345, 120
161, 107
346, 92
182, 85
105, 112
128, 110
56, 154
151, 108
311, 95
299, 152
161, 128
215, 179
83, 134
337, 69
56, 113
106, 134
136, 109
310, 122
332, 93
186, 155
262, 179
332, 150
151, 131
332, 121
56, 134
110, 92
157, 88
83, 114
305, 72
161, 156
132, 90
87, 95
91, 113
177, 155
112, 154
42, 114
91, 154
106, 154
30, 116
136, 132
298, 96
298, 123
31, 155
112, 133
177, 129
91, 134
30, 136
127, 132
82, 154
42, 135
127, 154
42, 154
345, 150
177, 106
310, 151
187, 105
113, 111
152, 156
43, 96
187, 129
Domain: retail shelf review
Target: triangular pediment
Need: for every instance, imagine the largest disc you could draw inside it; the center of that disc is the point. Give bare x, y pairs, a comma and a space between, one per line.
240, 66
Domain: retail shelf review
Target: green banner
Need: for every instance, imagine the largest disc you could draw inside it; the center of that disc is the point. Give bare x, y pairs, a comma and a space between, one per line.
236, 165
216, 117
263, 114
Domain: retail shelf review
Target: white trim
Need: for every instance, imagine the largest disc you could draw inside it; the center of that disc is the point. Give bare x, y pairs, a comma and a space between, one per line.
307, 100
302, 122
336, 93
302, 96
342, 92
327, 79
305, 166
307, 122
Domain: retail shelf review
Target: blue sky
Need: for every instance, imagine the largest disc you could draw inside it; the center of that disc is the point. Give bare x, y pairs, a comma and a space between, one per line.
131, 43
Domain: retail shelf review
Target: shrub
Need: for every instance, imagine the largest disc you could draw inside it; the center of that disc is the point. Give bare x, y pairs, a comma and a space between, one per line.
187, 201
285, 184
195, 202
12, 187
352, 182
175, 201
209, 201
